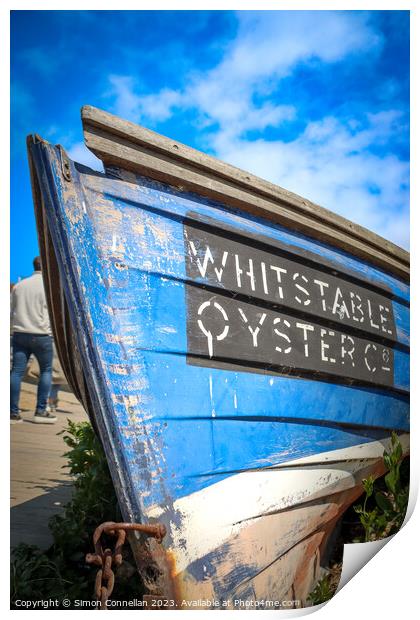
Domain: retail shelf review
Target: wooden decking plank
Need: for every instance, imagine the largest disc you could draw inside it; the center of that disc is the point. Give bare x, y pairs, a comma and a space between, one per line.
39, 484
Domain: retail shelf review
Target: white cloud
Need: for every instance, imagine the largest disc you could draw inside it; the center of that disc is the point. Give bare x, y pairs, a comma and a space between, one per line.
268, 47
80, 154
134, 107
159, 107
331, 165
126, 101
331, 162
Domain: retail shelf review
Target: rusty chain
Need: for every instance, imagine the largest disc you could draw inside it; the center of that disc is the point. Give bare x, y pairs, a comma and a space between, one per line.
105, 559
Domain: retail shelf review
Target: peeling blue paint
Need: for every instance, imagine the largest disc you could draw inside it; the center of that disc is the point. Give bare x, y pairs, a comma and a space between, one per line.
121, 254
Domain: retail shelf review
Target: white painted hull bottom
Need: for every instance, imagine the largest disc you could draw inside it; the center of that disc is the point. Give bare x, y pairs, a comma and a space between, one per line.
255, 539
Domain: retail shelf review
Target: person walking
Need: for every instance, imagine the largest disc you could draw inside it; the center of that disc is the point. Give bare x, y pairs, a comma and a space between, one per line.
31, 334
59, 381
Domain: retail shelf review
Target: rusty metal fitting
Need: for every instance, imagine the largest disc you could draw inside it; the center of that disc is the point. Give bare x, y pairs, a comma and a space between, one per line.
105, 577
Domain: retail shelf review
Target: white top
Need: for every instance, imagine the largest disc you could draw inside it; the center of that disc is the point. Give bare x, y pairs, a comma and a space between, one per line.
29, 306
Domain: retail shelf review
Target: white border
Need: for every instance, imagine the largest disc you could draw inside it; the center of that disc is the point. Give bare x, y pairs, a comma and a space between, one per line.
387, 586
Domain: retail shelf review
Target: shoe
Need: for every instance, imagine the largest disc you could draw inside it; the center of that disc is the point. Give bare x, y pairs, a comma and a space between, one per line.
44, 417
52, 405
15, 418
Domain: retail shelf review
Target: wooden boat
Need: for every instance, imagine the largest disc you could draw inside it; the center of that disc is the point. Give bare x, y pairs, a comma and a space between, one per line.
242, 352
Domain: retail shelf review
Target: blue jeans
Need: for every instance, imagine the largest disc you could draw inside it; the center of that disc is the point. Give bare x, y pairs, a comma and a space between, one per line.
41, 346
54, 391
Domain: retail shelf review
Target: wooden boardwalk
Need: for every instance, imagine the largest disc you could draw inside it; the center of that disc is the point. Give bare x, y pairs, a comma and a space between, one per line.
39, 485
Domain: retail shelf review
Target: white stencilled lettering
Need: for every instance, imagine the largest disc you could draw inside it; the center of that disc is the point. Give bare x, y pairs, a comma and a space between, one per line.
384, 319
250, 274
355, 307
344, 351
386, 358
208, 258
369, 346
239, 271
303, 290
279, 271
264, 278
276, 321
305, 327
207, 332
339, 306
322, 285
371, 315
325, 346
256, 330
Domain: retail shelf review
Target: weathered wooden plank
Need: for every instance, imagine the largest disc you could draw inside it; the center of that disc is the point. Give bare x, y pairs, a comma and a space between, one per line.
129, 146
40, 487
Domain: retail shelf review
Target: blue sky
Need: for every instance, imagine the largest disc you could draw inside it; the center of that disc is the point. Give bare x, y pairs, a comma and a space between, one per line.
317, 102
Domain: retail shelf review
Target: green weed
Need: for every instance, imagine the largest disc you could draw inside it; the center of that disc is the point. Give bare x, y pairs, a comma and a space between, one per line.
387, 506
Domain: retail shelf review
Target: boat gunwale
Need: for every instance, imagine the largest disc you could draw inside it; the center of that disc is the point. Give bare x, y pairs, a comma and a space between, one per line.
132, 147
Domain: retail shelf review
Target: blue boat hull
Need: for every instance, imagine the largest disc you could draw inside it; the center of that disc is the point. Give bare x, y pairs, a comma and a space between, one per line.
248, 460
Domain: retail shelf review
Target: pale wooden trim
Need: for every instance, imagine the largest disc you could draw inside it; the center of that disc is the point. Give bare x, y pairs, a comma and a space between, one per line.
132, 147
